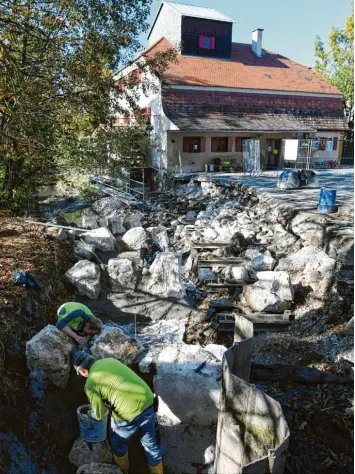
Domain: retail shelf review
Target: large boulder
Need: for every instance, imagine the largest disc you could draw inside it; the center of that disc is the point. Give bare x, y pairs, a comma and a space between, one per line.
310, 227
121, 274
85, 276
49, 352
101, 238
112, 342
135, 238
133, 220
164, 277
98, 468
89, 219
160, 235
310, 266
107, 206
116, 224
84, 250
278, 283
240, 273
264, 262
191, 397
273, 293
81, 453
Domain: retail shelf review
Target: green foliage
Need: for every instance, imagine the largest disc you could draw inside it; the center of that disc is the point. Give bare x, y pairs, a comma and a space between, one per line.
76, 186
337, 64
57, 59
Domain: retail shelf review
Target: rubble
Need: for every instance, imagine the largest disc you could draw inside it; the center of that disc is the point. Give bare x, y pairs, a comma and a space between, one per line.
81, 454
135, 238
101, 238
121, 274
89, 219
49, 353
112, 342
85, 276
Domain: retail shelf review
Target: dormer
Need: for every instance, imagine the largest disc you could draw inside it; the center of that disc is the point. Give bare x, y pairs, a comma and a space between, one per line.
193, 31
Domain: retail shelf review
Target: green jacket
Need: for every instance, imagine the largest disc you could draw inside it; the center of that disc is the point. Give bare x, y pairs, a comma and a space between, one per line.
74, 315
112, 384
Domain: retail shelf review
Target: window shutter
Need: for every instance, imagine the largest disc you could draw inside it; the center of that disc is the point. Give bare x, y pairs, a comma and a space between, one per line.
186, 145
238, 144
203, 144
126, 119
230, 143
213, 42
335, 143
214, 144
200, 41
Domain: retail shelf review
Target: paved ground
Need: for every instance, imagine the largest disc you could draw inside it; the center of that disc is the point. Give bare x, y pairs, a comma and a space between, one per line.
304, 199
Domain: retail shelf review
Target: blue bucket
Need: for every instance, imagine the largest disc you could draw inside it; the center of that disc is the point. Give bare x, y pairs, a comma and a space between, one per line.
211, 168
91, 430
327, 198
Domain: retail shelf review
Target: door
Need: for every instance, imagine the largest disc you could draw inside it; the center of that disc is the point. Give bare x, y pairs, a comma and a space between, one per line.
273, 152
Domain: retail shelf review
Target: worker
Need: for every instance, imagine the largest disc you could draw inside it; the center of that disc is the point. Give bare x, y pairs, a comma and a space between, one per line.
78, 322
148, 253
113, 385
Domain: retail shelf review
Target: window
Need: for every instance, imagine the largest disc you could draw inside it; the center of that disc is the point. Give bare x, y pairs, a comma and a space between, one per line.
221, 144
143, 116
120, 86
135, 77
335, 143
206, 42
193, 144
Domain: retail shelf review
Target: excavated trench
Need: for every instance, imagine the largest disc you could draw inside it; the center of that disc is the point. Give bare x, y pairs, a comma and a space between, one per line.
44, 429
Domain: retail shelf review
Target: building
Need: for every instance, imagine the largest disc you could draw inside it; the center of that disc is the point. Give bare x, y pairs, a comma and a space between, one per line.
224, 100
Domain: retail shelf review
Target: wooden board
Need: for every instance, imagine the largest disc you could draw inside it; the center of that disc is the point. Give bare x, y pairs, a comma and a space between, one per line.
262, 317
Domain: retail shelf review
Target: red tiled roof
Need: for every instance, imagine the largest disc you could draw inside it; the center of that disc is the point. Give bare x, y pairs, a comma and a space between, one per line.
243, 71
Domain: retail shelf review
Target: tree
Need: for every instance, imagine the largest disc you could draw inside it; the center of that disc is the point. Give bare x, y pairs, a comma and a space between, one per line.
337, 64
56, 77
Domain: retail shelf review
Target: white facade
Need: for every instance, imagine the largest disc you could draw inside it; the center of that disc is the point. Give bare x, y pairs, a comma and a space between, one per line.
159, 121
167, 24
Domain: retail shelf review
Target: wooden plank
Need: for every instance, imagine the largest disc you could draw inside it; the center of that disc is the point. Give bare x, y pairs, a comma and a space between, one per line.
209, 245
263, 317
217, 261
224, 285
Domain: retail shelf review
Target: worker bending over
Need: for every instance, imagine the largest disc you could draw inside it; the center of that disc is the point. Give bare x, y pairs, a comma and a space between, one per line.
148, 253
76, 320
112, 384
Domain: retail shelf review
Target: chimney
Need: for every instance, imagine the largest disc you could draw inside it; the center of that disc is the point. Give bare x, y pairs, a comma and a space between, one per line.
257, 42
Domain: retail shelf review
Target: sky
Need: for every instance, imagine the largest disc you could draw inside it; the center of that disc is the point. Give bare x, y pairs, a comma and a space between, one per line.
290, 26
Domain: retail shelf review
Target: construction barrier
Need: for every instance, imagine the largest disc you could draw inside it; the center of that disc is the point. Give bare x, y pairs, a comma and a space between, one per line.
252, 433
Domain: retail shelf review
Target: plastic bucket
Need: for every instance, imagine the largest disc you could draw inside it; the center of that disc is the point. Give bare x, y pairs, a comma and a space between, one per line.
327, 198
91, 430
211, 168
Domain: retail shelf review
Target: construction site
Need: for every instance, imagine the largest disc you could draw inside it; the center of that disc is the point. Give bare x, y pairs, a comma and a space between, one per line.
242, 325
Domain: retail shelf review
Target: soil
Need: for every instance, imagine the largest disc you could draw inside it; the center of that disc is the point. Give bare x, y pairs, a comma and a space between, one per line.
37, 438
